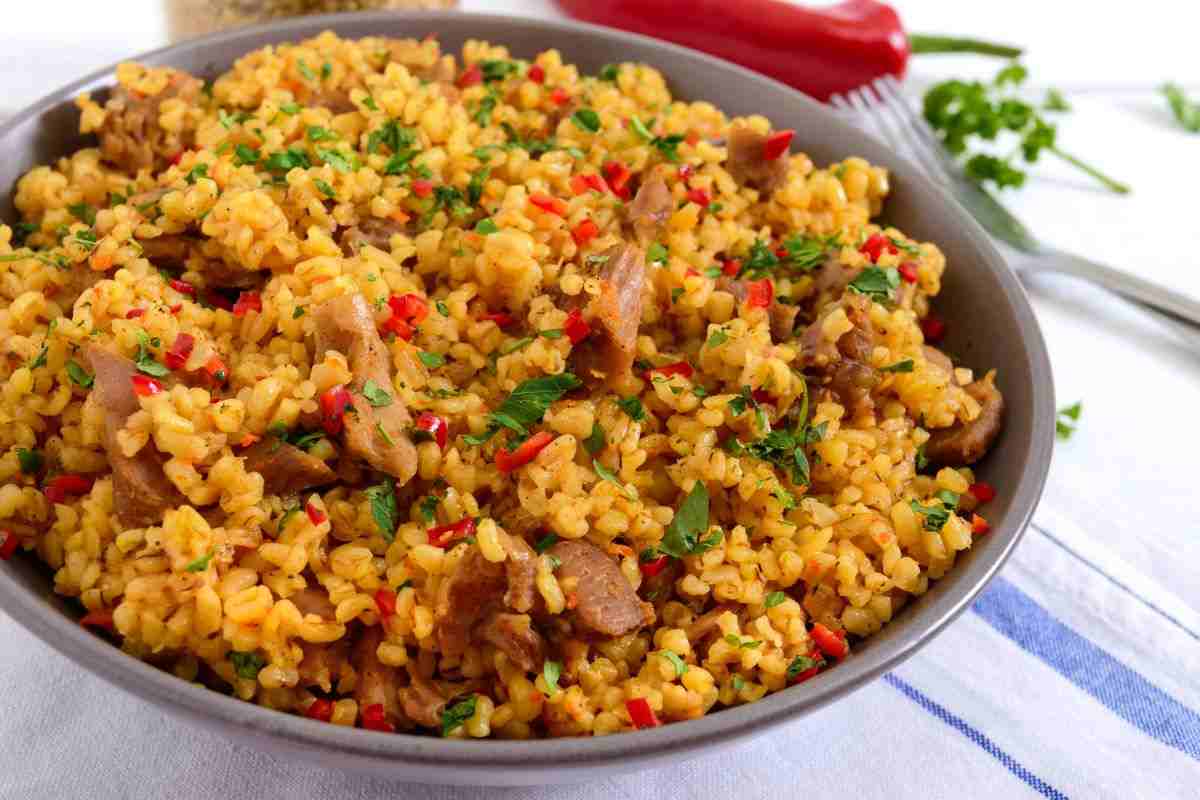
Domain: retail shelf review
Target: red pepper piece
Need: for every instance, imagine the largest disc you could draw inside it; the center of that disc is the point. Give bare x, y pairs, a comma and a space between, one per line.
399, 327
62, 486
385, 601
777, 144
218, 300
442, 535
471, 76
654, 566
374, 719
134, 313
216, 370
145, 386
315, 515
183, 287
731, 267
875, 245
559, 96
700, 197
686, 171
8, 545
595, 183
247, 301
433, 425
933, 329
982, 491
551, 205
175, 309
501, 319
811, 672
575, 327
761, 396
979, 525
678, 368
334, 402
641, 713
422, 187
908, 271
584, 232
536, 74
829, 642
760, 294
617, 175
578, 185
507, 461
103, 618
409, 307
320, 709
177, 356
175, 159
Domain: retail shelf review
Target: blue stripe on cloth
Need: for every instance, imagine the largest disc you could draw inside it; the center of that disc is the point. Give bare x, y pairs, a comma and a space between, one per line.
986, 744
1062, 545
1123, 691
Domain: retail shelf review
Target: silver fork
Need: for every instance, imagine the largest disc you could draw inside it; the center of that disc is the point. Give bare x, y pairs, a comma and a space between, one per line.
880, 108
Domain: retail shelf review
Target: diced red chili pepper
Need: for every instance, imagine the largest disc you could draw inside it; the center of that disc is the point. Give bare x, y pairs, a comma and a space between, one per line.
183, 287
507, 461
374, 719
617, 175
175, 309
678, 368
422, 187
334, 402
700, 197
134, 313
385, 601
315, 515
247, 301
641, 713
175, 159
781, 252
61, 486
777, 144
933, 329
731, 267
471, 76
551, 205
982, 491
578, 185
908, 271
686, 171
399, 327
216, 370
584, 232
811, 672
320, 709
692, 272
433, 425
760, 294
145, 386
178, 355
559, 96
979, 525
501, 319
575, 327
829, 643
875, 245
409, 307
654, 566
102, 618
536, 74
442, 535
8, 545
595, 182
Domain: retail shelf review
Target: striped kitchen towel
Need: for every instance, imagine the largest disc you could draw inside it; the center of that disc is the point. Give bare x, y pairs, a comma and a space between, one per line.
1071, 677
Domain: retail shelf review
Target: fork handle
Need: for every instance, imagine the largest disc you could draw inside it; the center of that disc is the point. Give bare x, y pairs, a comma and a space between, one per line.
1151, 295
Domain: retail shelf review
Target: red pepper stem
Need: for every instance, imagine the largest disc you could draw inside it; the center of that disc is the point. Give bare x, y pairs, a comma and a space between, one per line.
925, 43
1114, 185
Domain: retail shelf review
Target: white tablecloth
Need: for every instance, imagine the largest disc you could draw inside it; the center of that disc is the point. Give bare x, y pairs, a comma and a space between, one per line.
1075, 674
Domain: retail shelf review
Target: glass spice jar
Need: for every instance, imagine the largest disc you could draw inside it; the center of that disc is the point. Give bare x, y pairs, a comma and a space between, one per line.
188, 18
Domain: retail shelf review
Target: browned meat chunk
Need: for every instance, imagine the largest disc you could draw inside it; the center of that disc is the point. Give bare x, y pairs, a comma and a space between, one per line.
477, 587
423, 703
521, 570
286, 469
336, 100
377, 682
844, 366
649, 210
513, 635
617, 312
938, 359
605, 602
313, 600
131, 137
705, 625
141, 490
321, 663
376, 434
967, 442
830, 280
748, 162
180, 251
373, 231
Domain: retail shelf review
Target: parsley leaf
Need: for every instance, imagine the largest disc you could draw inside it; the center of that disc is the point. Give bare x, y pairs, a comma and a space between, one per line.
431, 360
384, 509
304, 70
900, 366
800, 664
935, 516
30, 460
760, 261
286, 160
84, 213
496, 70
632, 406
676, 662
668, 146
243, 154
428, 508
79, 376
339, 161
551, 672
717, 338
144, 360
545, 543
375, 394
201, 563
774, 599
607, 474
586, 120
656, 253
609, 72
1187, 112
475, 187
595, 442
806, 253
682, 537
1067, 420
454, 716
514, 346
247, 665
527, 405
325, 188
876, 282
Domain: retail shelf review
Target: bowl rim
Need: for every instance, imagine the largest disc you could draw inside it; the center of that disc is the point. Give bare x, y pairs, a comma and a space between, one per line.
400, 750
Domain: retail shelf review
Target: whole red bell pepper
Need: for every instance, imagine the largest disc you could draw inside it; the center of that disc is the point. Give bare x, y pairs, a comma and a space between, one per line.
820, 51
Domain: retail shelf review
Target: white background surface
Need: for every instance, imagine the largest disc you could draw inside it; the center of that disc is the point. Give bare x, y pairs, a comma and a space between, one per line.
1128, 478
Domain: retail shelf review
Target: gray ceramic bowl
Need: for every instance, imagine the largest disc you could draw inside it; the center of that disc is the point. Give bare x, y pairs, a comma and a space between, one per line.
990, 324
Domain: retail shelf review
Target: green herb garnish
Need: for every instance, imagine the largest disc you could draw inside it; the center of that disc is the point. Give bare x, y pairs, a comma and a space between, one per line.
384, 509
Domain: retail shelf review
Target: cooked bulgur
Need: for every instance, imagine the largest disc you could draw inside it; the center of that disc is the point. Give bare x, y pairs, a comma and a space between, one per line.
472, 395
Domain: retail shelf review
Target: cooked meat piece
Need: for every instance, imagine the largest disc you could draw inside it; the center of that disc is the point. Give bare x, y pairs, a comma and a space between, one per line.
520, 570
514, 517
605, 602
844, 366
131, 137
321, 663
649, 210
782, 316
314, 600
377, 683
617, 311
346, 324
748, 164
478, 586
967, 442
938, 359
830, 280
705, 625
181, 251
141, 490
286, 469
513, 635
169, 251
423, 703
336, 100
373, 231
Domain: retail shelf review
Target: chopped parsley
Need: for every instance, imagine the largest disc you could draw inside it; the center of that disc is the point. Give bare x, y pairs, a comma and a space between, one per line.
304, 70
497, 70
84, 213
900, 366
1067, 420
144, 360
325, 188
586, 120
31, 461
805, 253
316, 133
760, 261
632, 406
442, 308
369, 102
1187, 112
514, 346
800, 665
740, 643
201, 563
375, 394
455, 715
656, 253
878, 283
395, 136
935, 516
609, 73
431, 360
551, 672
595, 442
339, 161
286, 160
428, 508
247, 665
608, 475
384, 509
717, 338
527, 405
291, 109
668, 146
774, 599
676, 662
197, 172
387, 437
475, 187
78, 375
551, 333
682, 537
545, 543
